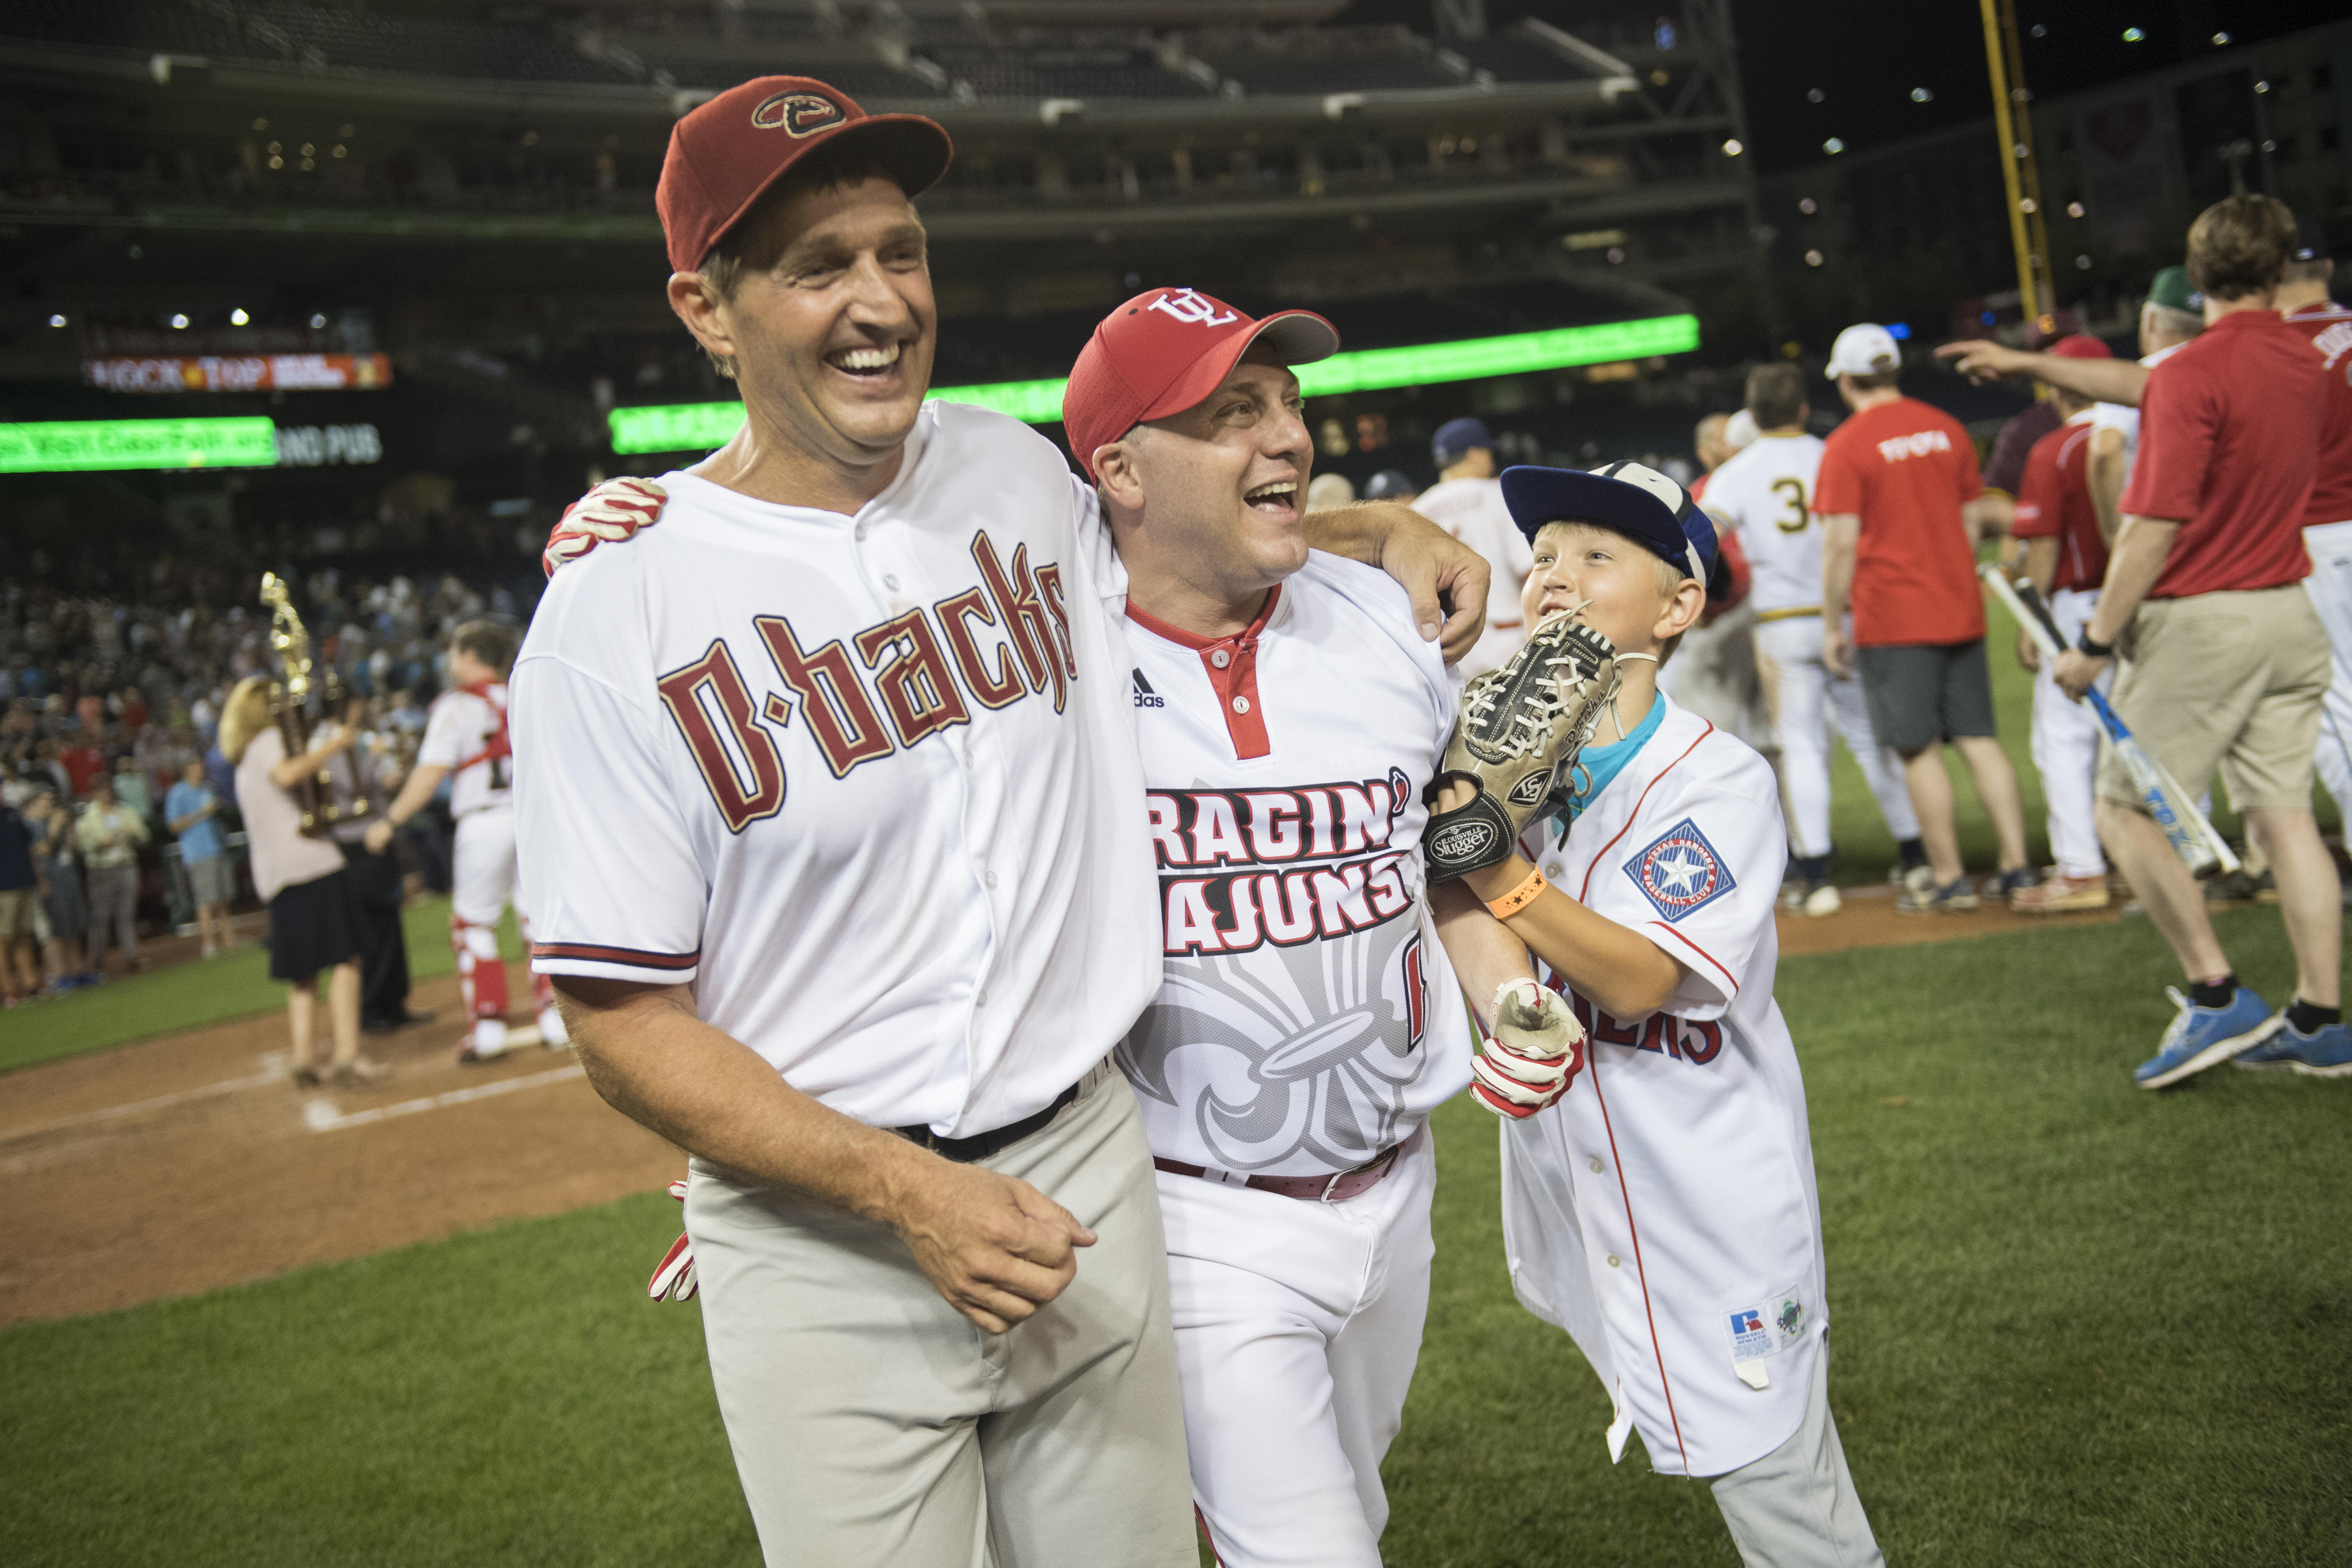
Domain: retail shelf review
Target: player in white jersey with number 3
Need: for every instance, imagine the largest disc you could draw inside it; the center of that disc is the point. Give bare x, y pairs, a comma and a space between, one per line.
1663, 1211
1765, 493
465, 741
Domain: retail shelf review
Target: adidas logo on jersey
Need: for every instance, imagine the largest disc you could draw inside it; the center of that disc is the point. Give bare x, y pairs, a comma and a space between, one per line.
1144, 696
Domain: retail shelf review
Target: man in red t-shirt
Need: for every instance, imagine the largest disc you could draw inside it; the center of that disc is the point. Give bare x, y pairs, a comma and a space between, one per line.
2065, 541
2225, 661
2304, 303
82, 762
1900, 504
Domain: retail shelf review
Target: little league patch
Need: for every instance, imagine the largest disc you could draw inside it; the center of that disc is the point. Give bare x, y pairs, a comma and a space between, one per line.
1681, 871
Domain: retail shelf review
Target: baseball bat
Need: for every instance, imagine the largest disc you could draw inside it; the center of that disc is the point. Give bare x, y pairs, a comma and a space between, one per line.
2185, 827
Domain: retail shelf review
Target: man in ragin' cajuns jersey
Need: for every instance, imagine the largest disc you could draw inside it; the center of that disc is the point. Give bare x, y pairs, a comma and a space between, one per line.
871, 901
465, 735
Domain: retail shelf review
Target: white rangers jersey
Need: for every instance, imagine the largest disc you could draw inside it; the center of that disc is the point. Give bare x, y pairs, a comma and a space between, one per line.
1664, 1212
466, 731
1308, 1018
1766, 493
869, 782
1471, 510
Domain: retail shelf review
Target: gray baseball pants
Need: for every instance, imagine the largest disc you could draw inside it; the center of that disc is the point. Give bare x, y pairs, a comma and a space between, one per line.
873, 1423
1796, 1506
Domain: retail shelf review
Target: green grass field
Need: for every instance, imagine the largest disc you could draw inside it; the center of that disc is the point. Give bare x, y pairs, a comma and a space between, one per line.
193, 995
2076, 1323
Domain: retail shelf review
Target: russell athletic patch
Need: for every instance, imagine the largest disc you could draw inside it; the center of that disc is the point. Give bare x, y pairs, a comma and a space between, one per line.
1681, 871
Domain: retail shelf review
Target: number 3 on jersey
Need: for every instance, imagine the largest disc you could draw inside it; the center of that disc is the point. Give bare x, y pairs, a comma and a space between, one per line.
1791, 491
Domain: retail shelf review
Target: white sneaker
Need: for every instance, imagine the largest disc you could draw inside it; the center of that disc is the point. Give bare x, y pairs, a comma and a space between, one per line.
552, 1033
1823, 901
487, 1043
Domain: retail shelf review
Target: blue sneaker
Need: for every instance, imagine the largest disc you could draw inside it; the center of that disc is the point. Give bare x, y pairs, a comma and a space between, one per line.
2327, 1052
2200, 1037
2277, 1051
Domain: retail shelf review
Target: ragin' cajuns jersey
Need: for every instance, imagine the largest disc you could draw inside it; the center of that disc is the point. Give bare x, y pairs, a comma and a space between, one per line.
868, 783
1308, 1018
1664, 1212
466, 731
1765, 492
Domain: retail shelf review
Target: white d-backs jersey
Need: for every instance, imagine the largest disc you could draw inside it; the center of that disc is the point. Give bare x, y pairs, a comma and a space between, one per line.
1664, 1213
466, 729
868, 783
1308, 1018
1471, 510
1766, 492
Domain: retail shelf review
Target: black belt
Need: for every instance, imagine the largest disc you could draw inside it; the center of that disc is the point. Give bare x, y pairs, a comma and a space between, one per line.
980, 1145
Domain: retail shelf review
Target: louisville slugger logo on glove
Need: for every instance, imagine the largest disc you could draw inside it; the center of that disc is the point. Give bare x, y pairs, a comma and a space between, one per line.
1519, 727
1534, 1054
675, 1280
612, 512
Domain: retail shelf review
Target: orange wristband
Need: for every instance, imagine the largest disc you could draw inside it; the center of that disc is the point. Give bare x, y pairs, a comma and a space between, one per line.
1518, 897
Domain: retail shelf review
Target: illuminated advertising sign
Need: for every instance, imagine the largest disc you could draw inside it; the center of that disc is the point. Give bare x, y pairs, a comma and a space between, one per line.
242, 373
698, 426
64, 445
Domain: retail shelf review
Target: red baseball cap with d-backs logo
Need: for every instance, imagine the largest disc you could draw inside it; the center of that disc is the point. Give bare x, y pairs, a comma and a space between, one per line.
726, 153
1164, 351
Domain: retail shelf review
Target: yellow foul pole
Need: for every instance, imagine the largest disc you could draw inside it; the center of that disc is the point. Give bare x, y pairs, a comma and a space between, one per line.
2032, 283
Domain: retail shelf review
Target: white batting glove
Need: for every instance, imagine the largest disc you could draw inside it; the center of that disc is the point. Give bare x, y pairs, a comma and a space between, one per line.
675, 1280
1534, 1054
612, 512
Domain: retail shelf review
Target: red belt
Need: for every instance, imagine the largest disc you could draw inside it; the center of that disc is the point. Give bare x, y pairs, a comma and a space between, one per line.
1336, 1188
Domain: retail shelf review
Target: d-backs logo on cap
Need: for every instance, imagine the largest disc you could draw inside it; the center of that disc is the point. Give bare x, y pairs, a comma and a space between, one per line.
1199, 309
798, 113
1681, 871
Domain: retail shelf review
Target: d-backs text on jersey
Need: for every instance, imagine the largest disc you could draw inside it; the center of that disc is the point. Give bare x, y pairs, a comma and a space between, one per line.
1242, 868
927, 668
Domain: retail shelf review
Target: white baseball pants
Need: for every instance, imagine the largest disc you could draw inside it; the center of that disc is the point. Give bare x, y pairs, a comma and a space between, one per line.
2330, 587
875, 1426
482, 866
1805, 701
1796, 1506
1713, 673
2066, 749
1297, 1325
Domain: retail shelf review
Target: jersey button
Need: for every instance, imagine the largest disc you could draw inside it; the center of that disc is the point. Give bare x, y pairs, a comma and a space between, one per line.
990, 879
980, 999
891, 581
1596, 1166
1612, 1260
1221, 659
860, 531
1241, 704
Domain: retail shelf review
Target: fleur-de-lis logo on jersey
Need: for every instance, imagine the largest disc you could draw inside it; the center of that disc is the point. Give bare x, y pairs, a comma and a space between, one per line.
1195, 309
798, 113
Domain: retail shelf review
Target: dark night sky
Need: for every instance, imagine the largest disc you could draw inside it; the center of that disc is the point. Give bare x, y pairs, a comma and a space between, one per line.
1867, 55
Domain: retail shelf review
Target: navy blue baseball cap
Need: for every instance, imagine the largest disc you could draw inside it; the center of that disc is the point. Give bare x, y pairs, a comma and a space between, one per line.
1456, 437
2310, 241
1624, 498
1387, 485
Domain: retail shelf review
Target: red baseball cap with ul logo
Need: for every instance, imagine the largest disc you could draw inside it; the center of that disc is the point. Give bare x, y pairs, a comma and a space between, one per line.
1166, 349
725, 154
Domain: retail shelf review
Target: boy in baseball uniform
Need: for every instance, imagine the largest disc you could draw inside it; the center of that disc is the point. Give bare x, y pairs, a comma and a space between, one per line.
1663, 1211
465, 735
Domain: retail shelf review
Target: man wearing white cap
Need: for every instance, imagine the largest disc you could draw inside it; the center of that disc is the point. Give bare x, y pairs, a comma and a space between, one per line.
1899, 498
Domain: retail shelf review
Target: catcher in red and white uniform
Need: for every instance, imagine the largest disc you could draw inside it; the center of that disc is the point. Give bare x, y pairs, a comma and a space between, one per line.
465, 735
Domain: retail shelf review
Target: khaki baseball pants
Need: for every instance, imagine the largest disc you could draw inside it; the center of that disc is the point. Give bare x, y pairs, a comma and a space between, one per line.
873, 1423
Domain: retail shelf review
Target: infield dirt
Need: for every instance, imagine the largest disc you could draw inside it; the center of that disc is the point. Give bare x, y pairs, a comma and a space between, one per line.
188, 1163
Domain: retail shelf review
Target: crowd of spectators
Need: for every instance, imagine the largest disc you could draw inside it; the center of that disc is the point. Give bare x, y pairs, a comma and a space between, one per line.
110, 769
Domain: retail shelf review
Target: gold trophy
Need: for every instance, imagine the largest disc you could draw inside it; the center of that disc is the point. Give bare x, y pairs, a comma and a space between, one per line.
288, 699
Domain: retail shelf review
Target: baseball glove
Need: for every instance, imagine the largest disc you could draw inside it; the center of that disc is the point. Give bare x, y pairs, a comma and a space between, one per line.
1534, 1054
674, 1280
1519, 729
613, 511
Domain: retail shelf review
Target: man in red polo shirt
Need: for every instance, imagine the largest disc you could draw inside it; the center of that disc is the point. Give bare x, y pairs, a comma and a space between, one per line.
2065, 540
2225, 662
1900, 503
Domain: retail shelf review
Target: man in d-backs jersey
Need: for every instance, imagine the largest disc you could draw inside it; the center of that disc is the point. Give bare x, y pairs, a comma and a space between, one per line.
466, 734
2065, 534
830, 821
1764, 496
1663, 1211
1289, 719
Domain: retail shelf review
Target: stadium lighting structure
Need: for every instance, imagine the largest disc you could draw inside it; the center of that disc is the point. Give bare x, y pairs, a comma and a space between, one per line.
237, 318
56, 320
1922, 95
179, 323
1732, 148
1833, 146
699, 427
2133, 36
80, 445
